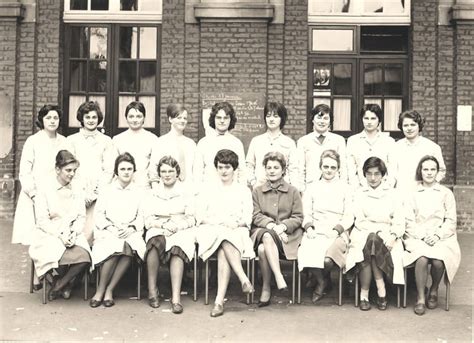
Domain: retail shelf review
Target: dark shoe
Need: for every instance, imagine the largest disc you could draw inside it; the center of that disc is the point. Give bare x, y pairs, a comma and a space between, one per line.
176, 308
364, 305
109, 303
420, 309
263, 303
154, 302
66, 292
95, 303
283, 292
382, 303
217, 310
316, 296
432, 302
37, 286
53, 295
247, 287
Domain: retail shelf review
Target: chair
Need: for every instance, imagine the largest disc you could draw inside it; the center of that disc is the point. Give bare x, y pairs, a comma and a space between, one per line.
446, 282
339, 297
356, 295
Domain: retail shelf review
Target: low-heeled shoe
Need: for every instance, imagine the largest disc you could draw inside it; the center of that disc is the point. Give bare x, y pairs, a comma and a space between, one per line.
432, 302
95, 303
53, 295
37, 286
364, 305
382, 303
263, 303
247, 288
176, 308
109, 303
419, 309
154, 302
66, 292
217, 310
316, 297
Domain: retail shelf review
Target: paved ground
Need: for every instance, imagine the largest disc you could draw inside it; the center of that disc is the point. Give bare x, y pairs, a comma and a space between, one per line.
23, 317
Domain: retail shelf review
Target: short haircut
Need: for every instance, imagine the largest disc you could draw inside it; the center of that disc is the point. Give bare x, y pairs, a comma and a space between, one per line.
374, 162
44, 111
125, 157
137, 105
174, 110
411, 114
226, 156
275, 156
418, 176
170, 161
320, 110
278, 108
375, 109
228, 109
333, 154
65, 157
87, 107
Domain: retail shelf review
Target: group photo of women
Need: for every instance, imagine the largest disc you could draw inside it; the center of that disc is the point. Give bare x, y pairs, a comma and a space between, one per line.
370, 207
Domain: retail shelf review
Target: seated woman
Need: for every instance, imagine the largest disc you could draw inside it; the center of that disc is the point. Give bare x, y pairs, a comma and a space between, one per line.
169, 216
58, 240
277, 218
375, 241
224, 212
118, 231
328, 217
431, 233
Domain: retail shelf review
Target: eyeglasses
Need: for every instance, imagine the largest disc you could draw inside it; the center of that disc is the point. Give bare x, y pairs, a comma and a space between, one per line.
329, 167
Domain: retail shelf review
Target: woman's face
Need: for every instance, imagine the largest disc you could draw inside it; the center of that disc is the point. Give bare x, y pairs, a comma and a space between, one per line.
274, 171
91, 120
429, 170
66, 173
135, 119
51, 121
329, 168
373, 177
179, 123
273, 121
225, 172
125, 172
321, 123
222, 122
168, 175
371, 121
411, 130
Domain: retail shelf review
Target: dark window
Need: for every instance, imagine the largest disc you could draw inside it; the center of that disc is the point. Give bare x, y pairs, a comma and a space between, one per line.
384, 39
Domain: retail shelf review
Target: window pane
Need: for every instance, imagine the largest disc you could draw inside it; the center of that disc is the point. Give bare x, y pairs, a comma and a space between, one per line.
147, 76
150, 5
325, 6
124, 100
100, 5
78, 5
79, 40
148, 42
342, 115
128, 5
342, 79
101, 101
373, 101
149, 102
373, 79
384, 38
392, 109
382, 6
393, 79
98, 47
128, 77
74, 102
332, 40
78, 76
128, 42
97, 76
321, 75
318, 101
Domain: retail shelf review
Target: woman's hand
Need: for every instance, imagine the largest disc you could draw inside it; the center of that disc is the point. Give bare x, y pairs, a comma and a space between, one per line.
89, 202
284, 237
125, 232
170, 227
279, 229
431, 239
311, 232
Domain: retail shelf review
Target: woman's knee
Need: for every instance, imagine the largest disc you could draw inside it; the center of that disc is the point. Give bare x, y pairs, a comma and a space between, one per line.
267, 238
261, 250
438, 264
422, 261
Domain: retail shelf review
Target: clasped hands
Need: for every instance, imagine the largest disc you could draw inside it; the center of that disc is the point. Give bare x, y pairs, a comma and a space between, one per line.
431, 239
68, 238
279, 230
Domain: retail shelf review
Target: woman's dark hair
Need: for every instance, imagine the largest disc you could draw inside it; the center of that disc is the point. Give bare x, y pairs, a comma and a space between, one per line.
44, 111
228, 109
65, 157
374, 108
275, 156
374, 162
418, 176
87, 107
174, 110
278, 108
411, 114
137, 105
330, 154
125, 157
170, 161
320, 110
226, 156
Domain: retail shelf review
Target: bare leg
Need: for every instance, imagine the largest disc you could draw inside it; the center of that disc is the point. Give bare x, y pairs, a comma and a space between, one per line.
437, 270
266, 274
153, 265
320, 282
365, 277
73, 270
122, 266
421, 278
271, 252
234, 260
223, 276
176, 271
106, 271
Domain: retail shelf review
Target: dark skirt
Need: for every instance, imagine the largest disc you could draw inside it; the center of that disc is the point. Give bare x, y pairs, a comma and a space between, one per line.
127, 251
256, 234
73, 255
159, 243
375, 246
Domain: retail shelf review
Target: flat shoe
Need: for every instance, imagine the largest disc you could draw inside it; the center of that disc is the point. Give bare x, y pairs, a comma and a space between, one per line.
217, 310
263, 303
432, 302
53, 295
420, 309
66, 292
109, 303
176, 308
247, 288
154, 302
364, 305
381, 303
316, 297
37, 286
95, 303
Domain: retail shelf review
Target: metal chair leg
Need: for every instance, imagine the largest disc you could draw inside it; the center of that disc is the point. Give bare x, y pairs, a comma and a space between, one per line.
299, 287
398, 296
356, 296
195, 275
44, 289
293, 282
139, 276
86, 284
32, 275
405, 288
252, 280
248, 275
206, 290
339, 298
448, 290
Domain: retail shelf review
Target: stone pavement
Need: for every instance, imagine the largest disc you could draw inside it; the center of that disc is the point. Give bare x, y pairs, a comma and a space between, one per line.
23, 317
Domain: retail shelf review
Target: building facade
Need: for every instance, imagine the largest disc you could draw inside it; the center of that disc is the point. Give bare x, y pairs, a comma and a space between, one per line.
398, 53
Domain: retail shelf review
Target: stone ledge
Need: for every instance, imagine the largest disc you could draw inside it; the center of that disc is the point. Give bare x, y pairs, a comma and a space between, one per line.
11, 10
463, 12
236, 12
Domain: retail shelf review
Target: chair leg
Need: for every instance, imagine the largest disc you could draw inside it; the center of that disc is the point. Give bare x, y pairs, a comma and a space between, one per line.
398, 296
44, 289
248, 275
448, 290
139, 277
97, 277
206, 290
32, 275
252, 280
86, 284
299, 287
339, 298
356, 296
405, 289
195, 275
293, 282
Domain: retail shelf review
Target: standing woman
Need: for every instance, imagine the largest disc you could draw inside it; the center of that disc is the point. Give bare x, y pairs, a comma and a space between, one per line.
95, 151
431, 233
409, 150
275, 116
276, 225
224, 215
136, 141
375, 241
327, 205
36, 166
118, 231
175, 144
169, 218
58, 240
371, 141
